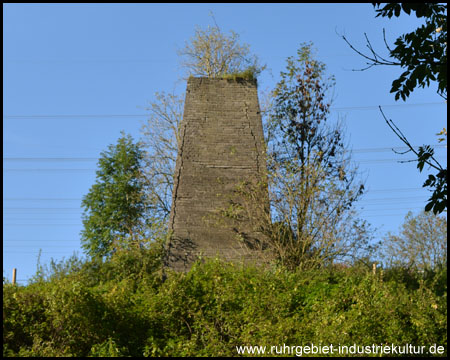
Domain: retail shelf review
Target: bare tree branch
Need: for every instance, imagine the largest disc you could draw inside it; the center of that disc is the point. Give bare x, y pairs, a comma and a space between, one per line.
403, 138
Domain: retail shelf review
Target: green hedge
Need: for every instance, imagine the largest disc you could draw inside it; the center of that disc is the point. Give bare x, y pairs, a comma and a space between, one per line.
123, 308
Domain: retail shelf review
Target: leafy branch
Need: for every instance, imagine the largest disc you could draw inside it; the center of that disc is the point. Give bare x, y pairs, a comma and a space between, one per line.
438, 200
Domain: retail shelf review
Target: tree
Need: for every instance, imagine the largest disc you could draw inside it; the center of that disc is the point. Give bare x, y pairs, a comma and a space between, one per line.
211, 53
423, 52
421, 244
425, 156
423, 55
312, 184
116, 207
160, 138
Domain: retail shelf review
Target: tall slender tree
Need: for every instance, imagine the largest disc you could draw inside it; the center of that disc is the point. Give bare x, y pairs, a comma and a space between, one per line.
117, 208
312, 182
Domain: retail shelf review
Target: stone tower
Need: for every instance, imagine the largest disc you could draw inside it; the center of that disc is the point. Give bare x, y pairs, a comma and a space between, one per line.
222, 144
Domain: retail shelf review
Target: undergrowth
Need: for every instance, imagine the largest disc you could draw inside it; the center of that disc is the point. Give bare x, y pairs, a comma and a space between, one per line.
122, 307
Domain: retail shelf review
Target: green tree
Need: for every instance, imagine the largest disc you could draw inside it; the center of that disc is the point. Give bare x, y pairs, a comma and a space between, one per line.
313, 177
421, 244
312, 182
423, 55
116, 208
422, 52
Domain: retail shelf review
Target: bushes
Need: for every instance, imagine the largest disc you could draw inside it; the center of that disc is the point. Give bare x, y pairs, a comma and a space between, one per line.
23, 317
128, 311
249, 74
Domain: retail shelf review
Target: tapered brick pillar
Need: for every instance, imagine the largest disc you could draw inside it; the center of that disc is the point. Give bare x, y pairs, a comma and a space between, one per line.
221, 145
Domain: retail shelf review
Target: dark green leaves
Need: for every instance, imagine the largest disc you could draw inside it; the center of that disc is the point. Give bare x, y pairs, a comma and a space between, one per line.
389, 10
438, 200
421, 9
423, 55
424, 154
116, 206
422, 52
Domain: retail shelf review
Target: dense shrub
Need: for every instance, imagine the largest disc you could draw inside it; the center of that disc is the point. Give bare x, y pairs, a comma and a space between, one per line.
121, 307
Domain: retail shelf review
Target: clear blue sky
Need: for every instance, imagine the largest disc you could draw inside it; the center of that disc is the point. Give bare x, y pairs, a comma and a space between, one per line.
110, 59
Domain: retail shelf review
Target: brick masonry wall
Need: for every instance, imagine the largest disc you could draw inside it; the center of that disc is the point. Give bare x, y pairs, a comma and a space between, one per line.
221, 145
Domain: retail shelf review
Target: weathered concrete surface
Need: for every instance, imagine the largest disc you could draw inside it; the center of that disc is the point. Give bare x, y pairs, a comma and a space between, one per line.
221, 145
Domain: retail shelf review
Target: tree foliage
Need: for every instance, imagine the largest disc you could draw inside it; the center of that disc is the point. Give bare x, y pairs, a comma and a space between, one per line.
425, 156
116, 207
212, 53
423, 55
423, 52
160, 138
421, 243
312, 183
120, 307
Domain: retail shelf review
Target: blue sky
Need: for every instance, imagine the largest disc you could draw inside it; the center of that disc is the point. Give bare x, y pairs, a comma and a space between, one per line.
105, 60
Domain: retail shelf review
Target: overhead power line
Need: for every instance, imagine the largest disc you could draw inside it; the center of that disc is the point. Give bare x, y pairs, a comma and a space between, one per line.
6, 209
396, 148
49, 159
369, 191
37, 251
41, 169
44, 246
390, 199
42, 199
376, 107
362, 202
77, 208
37, 240
381, 161
46, 217
106, 116
40, 224
81, 159
394, 190
363, 161
384, 215
80, 116
389, 209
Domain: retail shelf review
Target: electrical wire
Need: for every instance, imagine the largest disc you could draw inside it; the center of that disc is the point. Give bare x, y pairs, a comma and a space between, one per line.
99, 116
369, 191
82, 159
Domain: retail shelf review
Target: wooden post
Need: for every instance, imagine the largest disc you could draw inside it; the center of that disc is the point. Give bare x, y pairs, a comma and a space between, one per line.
374, 268
14, 276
